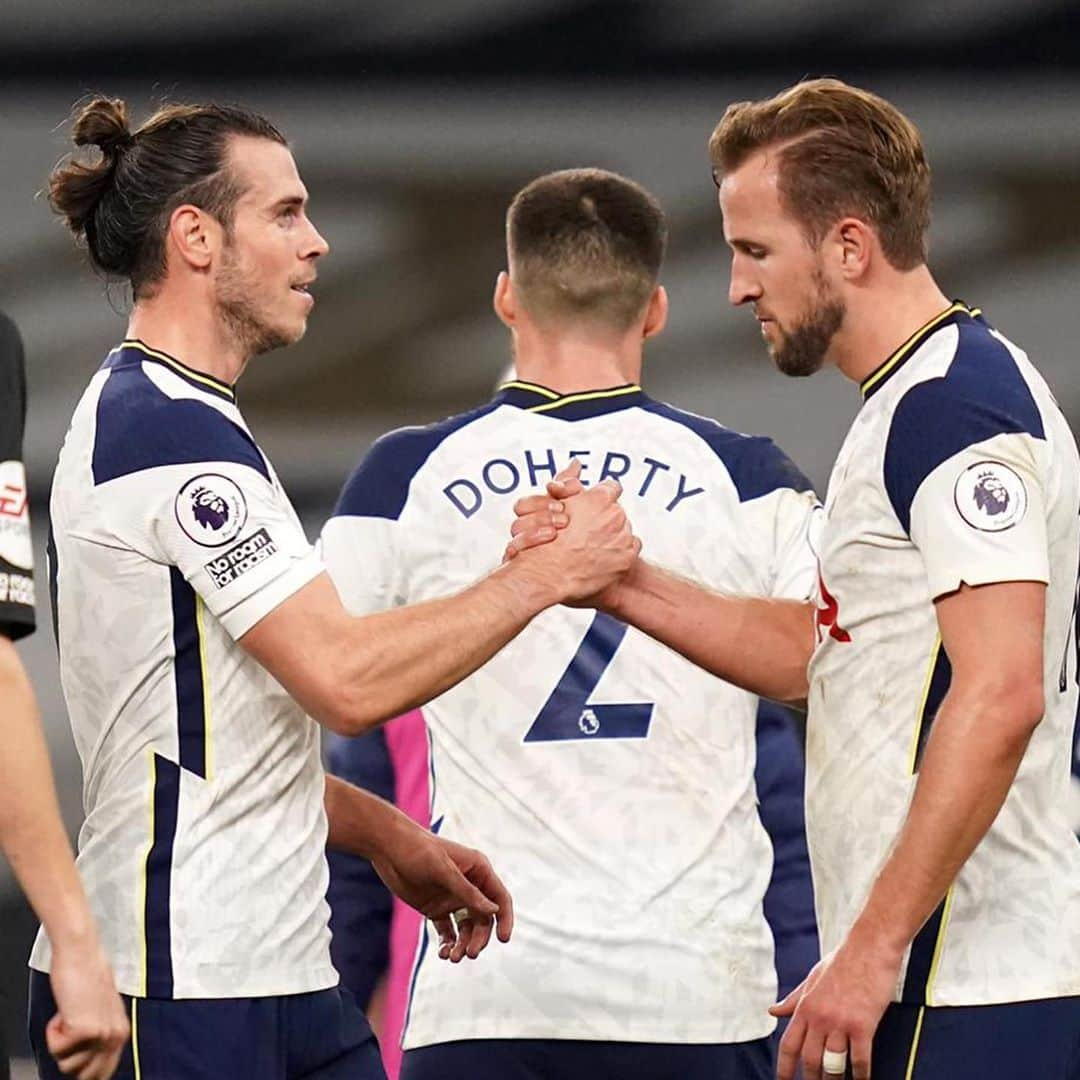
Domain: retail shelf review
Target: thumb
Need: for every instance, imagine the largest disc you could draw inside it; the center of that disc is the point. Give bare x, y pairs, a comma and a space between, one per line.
571, 472
57, 1037
568, 482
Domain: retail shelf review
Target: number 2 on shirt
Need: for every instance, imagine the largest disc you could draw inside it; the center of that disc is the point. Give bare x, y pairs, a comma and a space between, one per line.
568, 714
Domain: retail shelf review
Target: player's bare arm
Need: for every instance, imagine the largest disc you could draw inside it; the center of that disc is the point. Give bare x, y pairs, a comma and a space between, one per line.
993, 636
437, 877
760, 644
352, 673
90, 1028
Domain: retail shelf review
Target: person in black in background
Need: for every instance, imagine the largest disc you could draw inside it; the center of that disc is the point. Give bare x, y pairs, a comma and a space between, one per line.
90, 1027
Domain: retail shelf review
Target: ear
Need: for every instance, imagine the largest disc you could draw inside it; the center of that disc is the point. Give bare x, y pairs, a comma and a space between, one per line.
194, 236
656, 313
854, 245
504, 302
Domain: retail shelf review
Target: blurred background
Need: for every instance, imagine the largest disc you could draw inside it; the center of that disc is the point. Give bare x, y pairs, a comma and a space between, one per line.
415, 122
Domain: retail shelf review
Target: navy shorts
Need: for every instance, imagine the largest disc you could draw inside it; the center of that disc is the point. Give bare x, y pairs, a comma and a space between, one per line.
574, 1059
1026, 1040
319, 1036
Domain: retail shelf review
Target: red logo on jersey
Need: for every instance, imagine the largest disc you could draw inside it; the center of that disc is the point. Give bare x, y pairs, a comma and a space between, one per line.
12, 500
828, 615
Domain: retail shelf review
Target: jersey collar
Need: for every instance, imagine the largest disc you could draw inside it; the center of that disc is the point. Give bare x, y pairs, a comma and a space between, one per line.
198, 379
539, 399
956, 311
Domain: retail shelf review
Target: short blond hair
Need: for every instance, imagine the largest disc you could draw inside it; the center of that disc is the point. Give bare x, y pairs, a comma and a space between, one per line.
585, 244
842, 151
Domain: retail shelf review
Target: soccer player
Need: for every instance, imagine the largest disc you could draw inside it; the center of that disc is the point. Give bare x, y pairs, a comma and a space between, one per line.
197, 627
612, 779
89, 1026
940, 660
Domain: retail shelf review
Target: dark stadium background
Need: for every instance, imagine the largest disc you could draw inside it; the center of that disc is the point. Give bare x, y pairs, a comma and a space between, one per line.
415, 122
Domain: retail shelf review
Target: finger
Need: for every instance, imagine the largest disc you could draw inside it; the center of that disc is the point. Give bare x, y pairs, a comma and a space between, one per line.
835, 1043
447, 935
493, 887
535, 504
565, 489
787, 1005
464, 936
571, 472
812, 1048
481, 935
611, 486
787, 1057
464, 892
524, 541
538, 519
862, 1052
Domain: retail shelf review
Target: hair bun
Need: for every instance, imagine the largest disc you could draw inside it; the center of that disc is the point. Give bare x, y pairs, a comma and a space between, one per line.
103, 123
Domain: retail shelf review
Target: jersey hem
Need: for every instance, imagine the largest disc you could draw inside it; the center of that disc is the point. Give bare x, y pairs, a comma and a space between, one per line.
281, 983
946, 997
568, 1031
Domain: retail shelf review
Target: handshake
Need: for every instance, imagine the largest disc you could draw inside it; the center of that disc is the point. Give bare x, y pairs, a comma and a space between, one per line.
578, 542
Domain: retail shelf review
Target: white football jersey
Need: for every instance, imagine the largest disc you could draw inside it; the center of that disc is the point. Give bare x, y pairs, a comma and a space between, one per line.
608, 779
203, 846
958, 469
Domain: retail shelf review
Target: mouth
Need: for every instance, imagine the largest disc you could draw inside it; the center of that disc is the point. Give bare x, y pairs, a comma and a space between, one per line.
304, 289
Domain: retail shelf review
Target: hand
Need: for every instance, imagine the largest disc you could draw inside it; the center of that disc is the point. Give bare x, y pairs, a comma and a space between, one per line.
438, 878
538, 518
90, 1028
838, 1007
595, 546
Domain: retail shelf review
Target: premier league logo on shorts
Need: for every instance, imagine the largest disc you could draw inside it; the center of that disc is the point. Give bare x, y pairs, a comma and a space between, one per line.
990, 496
211, 509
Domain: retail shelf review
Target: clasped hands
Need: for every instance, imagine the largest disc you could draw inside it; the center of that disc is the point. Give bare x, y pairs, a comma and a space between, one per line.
591, 529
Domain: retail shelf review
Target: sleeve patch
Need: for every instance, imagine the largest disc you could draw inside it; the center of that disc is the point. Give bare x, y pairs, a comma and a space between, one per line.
211, 509
990, 496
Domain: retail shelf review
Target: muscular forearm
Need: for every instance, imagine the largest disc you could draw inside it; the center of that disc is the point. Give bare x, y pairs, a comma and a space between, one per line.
396, 660
760, 644
361, 823
31, 831
970, 761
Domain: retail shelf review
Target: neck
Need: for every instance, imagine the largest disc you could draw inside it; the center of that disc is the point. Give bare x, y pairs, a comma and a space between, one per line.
164, 322
880, 319
572, 364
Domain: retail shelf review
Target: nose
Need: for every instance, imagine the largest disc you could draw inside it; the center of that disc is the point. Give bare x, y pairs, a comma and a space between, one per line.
316, 245
744, 287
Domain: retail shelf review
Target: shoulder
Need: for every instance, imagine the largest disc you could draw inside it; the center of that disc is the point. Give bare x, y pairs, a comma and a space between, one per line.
757, 466
379, 485
981, 395
139, 426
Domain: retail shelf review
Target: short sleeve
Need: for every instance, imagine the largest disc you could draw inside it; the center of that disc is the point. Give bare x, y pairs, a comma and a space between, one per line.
16, 549
964, 470
195, 492
798, 522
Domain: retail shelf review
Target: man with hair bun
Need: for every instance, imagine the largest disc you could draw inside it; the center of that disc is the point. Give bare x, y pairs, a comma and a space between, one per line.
85, 1033
197, 627
614, 780
940, 660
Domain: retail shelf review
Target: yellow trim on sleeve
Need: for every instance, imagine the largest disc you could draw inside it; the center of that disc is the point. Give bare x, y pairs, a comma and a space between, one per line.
904, 349
135, 1037
146, 868
208, 744
589, 396
183, 369
914, 1044
939, 945
520, 384
935, 652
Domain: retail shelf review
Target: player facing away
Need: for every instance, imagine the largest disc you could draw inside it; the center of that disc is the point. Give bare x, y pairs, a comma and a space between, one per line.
940, 661
86, 1034
199, 634
613, 779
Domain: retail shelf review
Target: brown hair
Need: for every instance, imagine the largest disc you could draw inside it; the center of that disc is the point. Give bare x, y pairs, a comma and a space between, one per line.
585, 244
843, 151
120, 203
